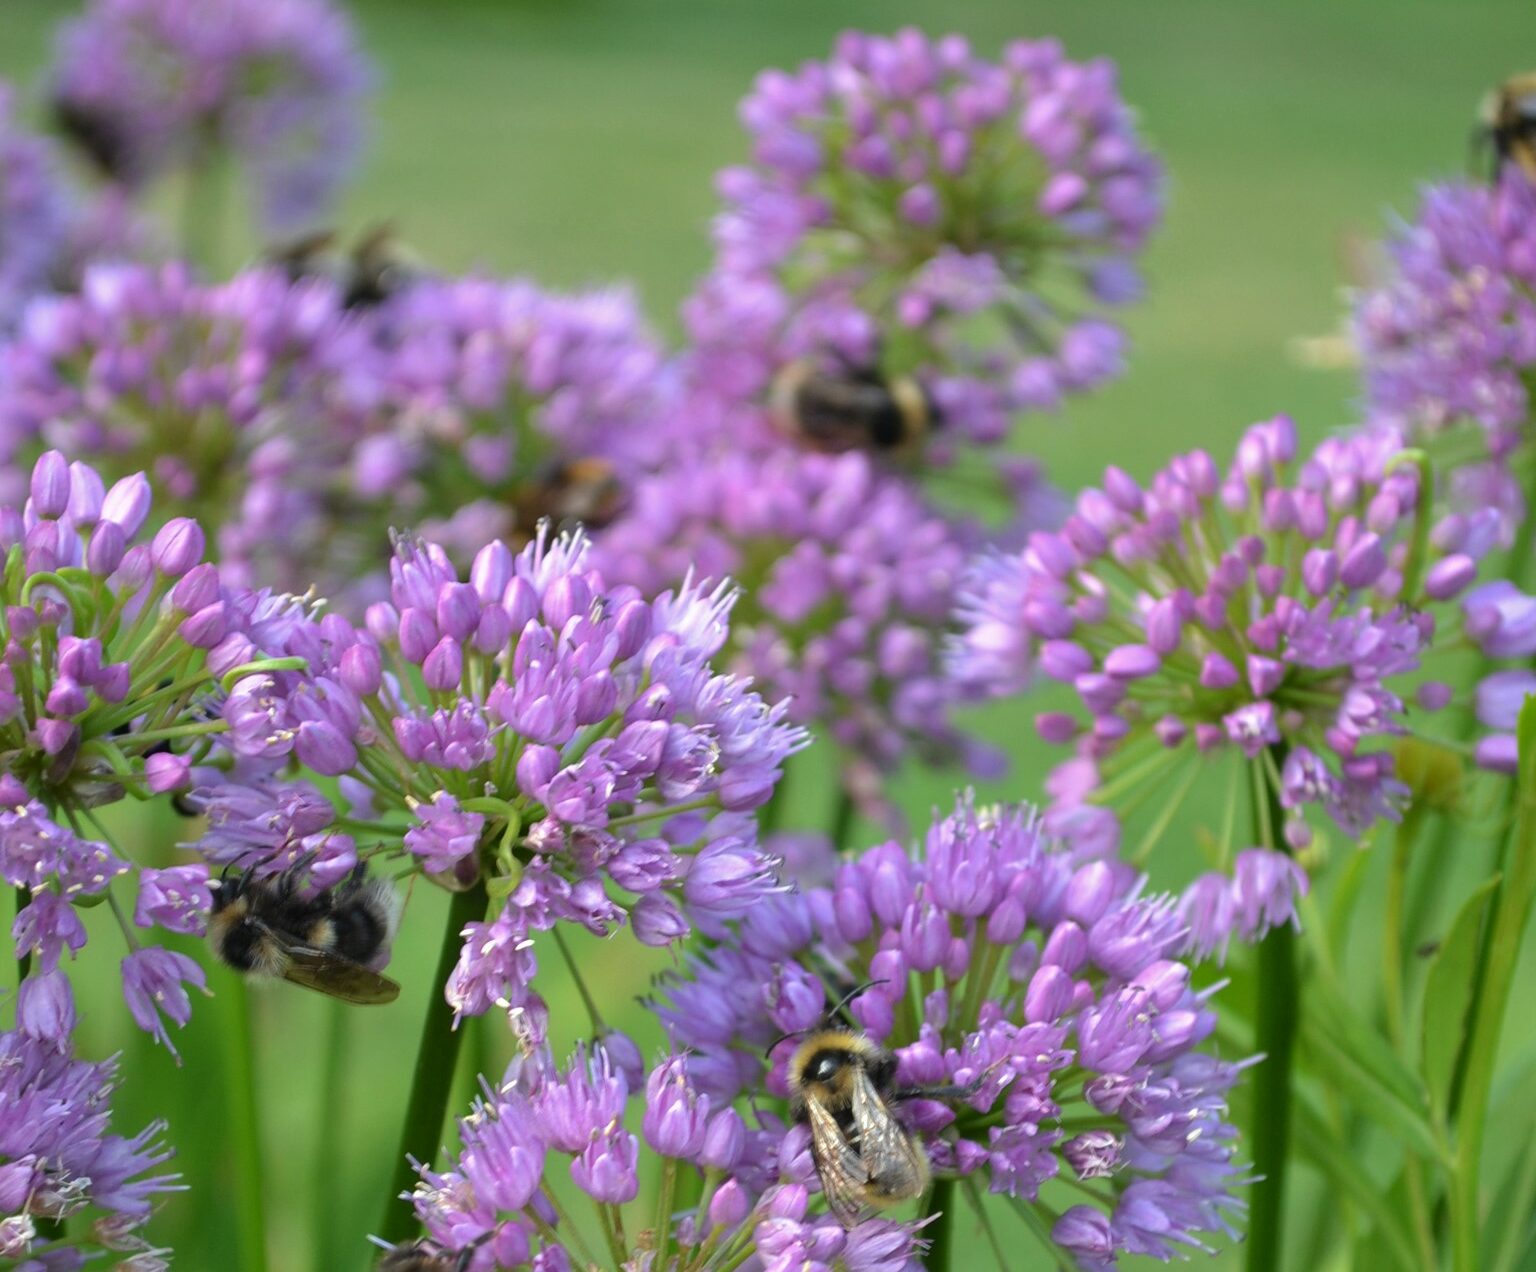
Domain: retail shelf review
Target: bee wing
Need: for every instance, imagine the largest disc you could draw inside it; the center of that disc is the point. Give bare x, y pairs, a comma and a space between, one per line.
843, 1177
895, 1164
339, 977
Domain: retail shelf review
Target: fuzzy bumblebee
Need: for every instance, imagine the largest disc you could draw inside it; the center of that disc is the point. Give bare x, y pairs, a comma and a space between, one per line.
332, 940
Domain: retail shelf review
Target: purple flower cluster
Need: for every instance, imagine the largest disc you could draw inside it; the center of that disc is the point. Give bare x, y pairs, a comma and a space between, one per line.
1449, 338
1035, 975
240, 399
34, 214
58, 1159
906, 198
849, 581
566, 742
304, 429
495, 1202
148, 86
106, 680
489, 388
1276, 612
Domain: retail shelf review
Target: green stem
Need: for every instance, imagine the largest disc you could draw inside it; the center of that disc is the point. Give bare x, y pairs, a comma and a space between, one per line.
325, 1233
1275, 1037
24, 963
1512, 911
841, 828
772, 813
1393, 932
243, 1125
203, 209
940, 1233
436, 1056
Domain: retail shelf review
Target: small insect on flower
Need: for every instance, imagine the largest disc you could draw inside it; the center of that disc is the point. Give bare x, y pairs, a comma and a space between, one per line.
1508, 124
422, 1256
375, 269
326, 941
842, 1085
569, 492
854, 408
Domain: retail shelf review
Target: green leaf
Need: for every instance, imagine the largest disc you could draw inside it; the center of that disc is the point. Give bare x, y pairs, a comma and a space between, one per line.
1448, 997
1525, 736
1353, 1057
1340, 1165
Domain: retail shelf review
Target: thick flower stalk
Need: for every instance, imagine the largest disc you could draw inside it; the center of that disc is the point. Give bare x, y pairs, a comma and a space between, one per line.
34, 214
497, 1203
58, 1159
145, 87
848, 583
565, 743
107, 691
240, 399
1448, 339
503, 403
914, 210
1035, 976
1276, 614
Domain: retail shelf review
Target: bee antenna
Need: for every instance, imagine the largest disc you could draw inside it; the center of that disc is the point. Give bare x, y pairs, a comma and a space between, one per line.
768, 1051
852, 994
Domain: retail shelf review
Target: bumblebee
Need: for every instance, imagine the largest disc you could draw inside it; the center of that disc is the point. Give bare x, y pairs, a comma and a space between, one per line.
374, 270
419, 1256
853, 409
565, 491
326, 942
379, 267
1508, 124
96, 136
842, 1086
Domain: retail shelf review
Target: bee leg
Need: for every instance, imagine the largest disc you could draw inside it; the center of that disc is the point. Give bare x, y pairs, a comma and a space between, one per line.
950, 1091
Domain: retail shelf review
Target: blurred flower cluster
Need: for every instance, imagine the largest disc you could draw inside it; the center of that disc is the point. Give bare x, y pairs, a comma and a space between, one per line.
914, 210
1448, 339
146, 87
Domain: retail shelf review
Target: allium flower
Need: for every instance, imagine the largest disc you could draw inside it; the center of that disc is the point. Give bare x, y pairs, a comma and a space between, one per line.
914, 210
147, 86
848, 579
1276, 614
106, 691
504, 403
1034, 975
34, 215
530, 727
493, 1203
1449, 339
58, 1159
240, 399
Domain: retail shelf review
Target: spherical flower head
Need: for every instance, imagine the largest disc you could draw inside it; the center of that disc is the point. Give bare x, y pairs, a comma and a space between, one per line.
906, 196
542, 1123
144, 87
1448, 338
546, 733
848, 582
100, 617
1276, 614
502, 403
1027, 974
241, 400
59, 1158
34, 214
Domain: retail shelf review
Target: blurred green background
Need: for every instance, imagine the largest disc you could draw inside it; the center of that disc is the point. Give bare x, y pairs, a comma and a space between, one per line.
575, 142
